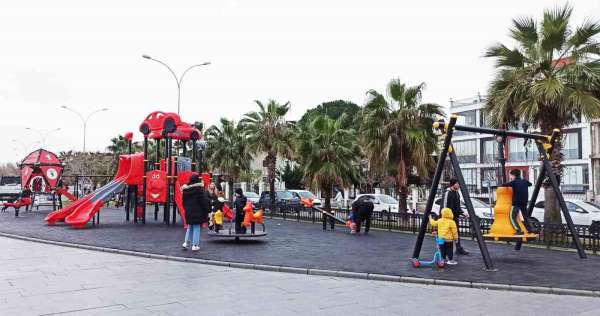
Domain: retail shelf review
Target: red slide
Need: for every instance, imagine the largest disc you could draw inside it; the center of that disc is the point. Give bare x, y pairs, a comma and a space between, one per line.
62, 191
182, 178
78, 213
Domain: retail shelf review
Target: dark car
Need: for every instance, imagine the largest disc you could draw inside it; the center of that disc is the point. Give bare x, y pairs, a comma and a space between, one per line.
281, 198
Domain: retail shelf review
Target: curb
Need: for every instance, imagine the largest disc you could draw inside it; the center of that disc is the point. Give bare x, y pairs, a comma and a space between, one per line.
321, 272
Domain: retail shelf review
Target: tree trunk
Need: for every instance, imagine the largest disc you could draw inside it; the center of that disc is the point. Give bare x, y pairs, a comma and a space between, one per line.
402, 186
551, 206
402, 199
271, 165
230, 189
327, 194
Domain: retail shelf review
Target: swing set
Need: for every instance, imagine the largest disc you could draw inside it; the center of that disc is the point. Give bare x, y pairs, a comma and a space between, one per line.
501, 229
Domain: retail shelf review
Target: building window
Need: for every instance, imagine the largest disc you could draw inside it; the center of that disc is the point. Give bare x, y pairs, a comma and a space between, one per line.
489, 150
466, 151
519, 151
485, 120
575, 179
489, 178
570, 145
466, 118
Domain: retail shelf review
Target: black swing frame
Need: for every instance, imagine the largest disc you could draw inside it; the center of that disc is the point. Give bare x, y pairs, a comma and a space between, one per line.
544, 143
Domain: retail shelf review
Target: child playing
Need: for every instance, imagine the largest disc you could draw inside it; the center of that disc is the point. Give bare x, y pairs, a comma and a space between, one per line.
447, 230
218, 220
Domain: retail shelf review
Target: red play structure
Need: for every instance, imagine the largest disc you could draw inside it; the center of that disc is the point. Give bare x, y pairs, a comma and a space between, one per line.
144, 181
41, 173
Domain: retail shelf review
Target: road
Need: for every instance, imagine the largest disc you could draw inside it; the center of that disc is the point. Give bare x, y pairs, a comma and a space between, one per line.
41, 279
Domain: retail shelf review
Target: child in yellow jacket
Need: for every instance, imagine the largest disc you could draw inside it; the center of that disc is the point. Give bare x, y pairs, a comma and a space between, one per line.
447, 231
218, 220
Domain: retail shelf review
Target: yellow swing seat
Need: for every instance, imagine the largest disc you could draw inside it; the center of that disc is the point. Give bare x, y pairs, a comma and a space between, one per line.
502, 229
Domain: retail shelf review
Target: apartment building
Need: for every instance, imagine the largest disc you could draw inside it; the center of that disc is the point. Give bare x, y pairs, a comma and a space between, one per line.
478, 153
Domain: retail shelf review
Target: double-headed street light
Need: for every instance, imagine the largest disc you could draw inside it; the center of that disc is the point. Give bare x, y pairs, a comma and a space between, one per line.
84, 119
178, 80
43, 133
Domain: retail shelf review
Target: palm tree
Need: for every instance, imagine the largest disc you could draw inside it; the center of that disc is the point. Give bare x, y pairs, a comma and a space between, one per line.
268, 132
546, 80
396, 134
228, 151
328, 154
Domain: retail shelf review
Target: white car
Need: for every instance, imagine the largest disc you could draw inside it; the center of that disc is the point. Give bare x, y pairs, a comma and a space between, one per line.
482, 210
252, 197
582, 213
382, 202
307, 195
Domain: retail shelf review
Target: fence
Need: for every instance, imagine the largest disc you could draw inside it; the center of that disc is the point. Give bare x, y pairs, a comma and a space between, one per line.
551, 235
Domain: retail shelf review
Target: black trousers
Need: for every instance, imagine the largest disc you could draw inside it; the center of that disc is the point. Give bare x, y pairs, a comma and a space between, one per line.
515, 214
363, 217
446, 250
239, 218
328, 219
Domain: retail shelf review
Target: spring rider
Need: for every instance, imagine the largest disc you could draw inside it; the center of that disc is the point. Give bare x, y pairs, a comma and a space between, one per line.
251, 218
503, 228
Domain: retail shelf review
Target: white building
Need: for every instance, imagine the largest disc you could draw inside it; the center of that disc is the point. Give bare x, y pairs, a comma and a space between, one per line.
478, 152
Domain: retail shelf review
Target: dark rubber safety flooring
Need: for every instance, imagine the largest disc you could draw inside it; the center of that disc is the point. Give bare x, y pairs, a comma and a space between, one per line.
306, 245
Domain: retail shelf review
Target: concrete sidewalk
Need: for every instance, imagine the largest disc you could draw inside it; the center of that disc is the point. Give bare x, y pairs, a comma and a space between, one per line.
41, 279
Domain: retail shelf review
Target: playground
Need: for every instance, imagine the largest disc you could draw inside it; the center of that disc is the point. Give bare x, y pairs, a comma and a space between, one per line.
152, 218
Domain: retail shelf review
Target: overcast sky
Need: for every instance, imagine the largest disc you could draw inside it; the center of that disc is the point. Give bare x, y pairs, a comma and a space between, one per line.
88, 56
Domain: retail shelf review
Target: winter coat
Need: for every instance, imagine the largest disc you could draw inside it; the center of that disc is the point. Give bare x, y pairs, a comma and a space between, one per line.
239, 204
195, 203
218, 217
362, 210
451, 200
446, 226
520, 188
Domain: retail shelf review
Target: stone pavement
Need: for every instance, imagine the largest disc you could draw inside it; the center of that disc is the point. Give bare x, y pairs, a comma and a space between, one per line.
41, 279
305, 245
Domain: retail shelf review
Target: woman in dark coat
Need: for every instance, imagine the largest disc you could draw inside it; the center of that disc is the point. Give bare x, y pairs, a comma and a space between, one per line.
239, 204
197, 207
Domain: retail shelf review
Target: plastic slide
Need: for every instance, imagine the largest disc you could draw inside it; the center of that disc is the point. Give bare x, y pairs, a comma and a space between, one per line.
78, 213
86, 210
62, 191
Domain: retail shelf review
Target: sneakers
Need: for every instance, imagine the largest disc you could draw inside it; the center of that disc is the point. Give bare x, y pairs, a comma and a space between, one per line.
451, 262
184, 246
195, 248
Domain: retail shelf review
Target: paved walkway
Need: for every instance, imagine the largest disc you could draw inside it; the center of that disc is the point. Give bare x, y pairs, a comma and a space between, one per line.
305, 245
41, 279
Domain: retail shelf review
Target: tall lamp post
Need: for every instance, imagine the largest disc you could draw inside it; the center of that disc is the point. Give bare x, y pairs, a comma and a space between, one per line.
43, 134
178, 80
84, 119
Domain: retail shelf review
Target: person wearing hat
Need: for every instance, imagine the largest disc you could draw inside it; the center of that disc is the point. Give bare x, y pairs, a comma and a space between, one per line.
197, 207
239, 204
451, 200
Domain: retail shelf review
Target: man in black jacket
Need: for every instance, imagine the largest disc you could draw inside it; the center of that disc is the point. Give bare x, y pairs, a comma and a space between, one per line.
363, 210
451, 200
239, 204
520, 197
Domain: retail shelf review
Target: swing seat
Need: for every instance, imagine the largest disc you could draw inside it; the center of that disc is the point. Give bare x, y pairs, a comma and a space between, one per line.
502, 228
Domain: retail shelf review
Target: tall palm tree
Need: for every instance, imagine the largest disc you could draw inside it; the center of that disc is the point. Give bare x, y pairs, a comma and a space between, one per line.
268, 132
547, 79
396, 134
328, 154
228, 151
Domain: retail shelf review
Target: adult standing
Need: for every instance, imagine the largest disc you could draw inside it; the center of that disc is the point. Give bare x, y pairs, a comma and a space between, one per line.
363, 210
451, 200
239, 203
520, 197
197, 207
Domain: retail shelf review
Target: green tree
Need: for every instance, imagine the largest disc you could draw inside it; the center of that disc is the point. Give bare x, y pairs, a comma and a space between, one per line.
396, 134
329, 155
228, 151
333, 109
268, 132
547, 79
291, 175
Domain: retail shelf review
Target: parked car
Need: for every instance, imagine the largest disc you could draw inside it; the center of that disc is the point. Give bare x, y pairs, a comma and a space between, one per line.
281, 197
382, 203
582, 212
307, 195
482, 210
252, 197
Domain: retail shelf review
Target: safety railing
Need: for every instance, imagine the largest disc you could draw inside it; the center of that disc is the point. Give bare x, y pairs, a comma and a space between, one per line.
550, 235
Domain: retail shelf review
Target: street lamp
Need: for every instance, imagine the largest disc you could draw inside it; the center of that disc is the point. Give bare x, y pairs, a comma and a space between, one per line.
43, 134
84, 119
177, 80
